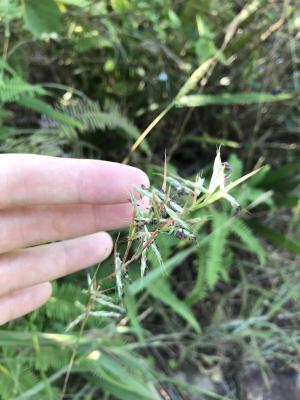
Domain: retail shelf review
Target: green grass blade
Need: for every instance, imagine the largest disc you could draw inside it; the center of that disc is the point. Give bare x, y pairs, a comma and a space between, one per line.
162, 291
274, 237
202, 100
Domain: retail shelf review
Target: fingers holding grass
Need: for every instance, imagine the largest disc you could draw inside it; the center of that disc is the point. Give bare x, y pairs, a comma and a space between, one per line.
48, 199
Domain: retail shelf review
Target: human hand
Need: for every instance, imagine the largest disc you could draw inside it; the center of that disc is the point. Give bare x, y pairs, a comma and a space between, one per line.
45, 199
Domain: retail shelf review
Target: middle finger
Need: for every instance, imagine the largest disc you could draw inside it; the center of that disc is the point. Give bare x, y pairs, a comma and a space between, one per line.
25, 227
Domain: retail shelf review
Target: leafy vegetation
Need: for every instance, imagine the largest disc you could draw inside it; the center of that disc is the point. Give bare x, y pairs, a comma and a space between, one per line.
207, 282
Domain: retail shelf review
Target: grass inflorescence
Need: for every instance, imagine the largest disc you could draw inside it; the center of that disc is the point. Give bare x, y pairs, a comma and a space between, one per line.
171, 211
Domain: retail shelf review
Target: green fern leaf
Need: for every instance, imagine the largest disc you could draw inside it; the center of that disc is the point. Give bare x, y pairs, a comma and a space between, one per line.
216, 248
244, 233
13, 88
50, 357
61, 305
44, 108
200, 288
92, 118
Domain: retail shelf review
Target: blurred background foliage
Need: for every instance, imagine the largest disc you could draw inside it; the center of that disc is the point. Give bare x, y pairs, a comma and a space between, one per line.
84, 78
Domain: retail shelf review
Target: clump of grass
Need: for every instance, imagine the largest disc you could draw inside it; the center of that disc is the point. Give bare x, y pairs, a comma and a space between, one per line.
171, 210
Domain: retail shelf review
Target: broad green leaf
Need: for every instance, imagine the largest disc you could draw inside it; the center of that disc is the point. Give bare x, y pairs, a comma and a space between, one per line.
204, 45
121, 376
275, 237
157, 273
162, 291
120, 5
120, 392
10, 10
287, 201
202, 100
281, 178
41, 16
205, 138
132, 313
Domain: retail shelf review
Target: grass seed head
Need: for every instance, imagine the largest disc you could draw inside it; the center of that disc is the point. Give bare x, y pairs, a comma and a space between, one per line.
169, 212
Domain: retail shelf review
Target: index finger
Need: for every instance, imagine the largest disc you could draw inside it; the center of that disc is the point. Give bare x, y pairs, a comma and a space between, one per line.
27, 179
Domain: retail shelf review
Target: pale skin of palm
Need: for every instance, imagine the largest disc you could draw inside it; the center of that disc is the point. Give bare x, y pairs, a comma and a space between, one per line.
54, 214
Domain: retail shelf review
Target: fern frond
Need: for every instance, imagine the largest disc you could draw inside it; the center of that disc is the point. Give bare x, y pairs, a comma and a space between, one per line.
200, 288
44, 108
216, 248
91, 118
244, 233
6, 383
50, 357
13, 88
227, 262
61, 305
15, 381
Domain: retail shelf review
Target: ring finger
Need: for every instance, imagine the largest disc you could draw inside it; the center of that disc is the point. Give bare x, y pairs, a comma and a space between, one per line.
28, 267
23, 301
